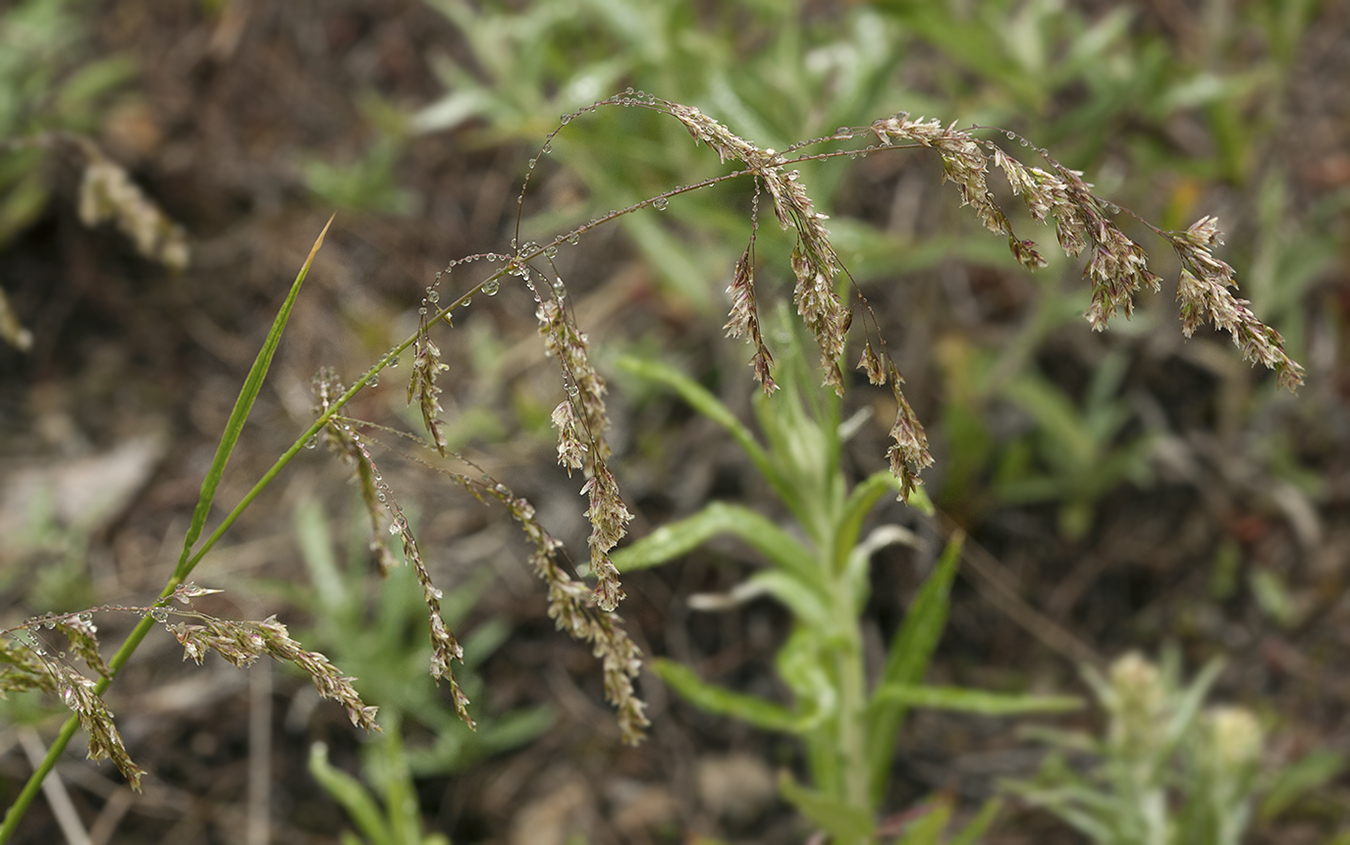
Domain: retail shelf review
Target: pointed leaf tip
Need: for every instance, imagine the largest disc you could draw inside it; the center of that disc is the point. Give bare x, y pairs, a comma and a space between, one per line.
318, 242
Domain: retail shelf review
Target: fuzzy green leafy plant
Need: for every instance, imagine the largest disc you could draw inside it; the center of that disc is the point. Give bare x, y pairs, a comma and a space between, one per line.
1167, 769
1116, 269
819, 569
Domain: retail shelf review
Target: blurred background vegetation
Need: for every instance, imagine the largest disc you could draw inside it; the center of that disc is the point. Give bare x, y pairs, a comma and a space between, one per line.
1129, 488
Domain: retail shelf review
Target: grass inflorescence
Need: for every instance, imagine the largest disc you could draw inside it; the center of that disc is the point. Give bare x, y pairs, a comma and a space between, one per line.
826, 301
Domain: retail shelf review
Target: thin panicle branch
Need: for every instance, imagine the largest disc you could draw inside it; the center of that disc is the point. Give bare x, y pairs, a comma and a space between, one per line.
383, 509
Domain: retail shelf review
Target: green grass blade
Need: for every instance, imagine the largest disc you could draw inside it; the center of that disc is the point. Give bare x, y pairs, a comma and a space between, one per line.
980, 824
856, 508
683, 536
352, 795
911, 650
845, 822
975, 701
242, 406
750, 709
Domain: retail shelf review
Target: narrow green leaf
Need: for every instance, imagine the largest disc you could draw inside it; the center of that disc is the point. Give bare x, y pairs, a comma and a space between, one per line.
716, 699
927, 829
906, 664
856, 508
351, 794
242, 405
845, 823
1293, 782
683, 536
980, 824
809, 605
975, 701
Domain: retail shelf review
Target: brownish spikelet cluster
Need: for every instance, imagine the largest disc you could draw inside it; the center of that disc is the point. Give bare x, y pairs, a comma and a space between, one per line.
107, 193
444, 647
78, 694
1204, 290
908, 453
383, 509
813, 259
573, 607
427, 365
241, 643
743, 321
581, 420
28, 667
1117, 267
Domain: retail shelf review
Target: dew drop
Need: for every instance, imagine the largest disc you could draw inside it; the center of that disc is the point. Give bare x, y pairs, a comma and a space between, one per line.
574, 239
159, 614
520, 200
572, 390
437, 594
565, 119
491, 288
422, 310
393, 363
548, 148
433, 296
374, 380
468, 302
551, 251
311, 442
660, 203
533, 162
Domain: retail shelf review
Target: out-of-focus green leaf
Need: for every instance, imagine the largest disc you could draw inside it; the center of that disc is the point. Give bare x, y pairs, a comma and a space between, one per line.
907, 661
716, 699
844, 822
975, 701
